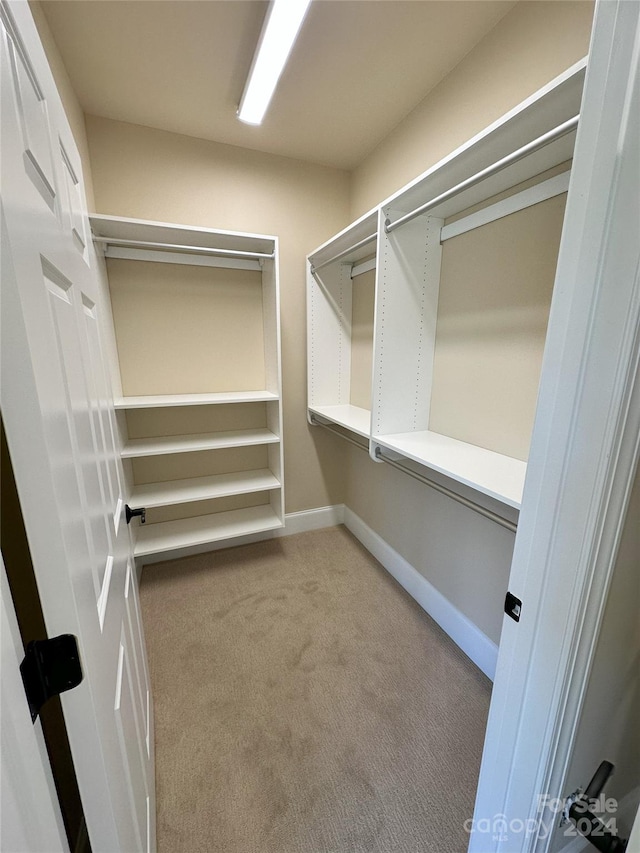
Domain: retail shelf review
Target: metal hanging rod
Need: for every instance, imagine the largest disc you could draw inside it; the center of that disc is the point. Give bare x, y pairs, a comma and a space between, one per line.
348, 438
171, 247
546, 138
337, 257
476, 507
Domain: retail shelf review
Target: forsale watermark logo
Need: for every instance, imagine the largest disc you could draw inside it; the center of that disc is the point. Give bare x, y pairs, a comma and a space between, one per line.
501, 828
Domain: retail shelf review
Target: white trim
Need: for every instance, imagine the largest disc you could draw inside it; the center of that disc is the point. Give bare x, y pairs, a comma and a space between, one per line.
512, 204
312, 519
129, 254
295, 522
583, 452
365, 266
476, 645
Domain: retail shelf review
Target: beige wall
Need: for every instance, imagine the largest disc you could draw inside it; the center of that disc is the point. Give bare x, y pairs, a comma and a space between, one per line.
362, 311
187, 329
150, 174
530, 46
464, 556
70, 102
493, 309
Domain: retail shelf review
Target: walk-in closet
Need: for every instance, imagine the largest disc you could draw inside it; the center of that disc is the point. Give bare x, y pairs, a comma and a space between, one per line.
321, 424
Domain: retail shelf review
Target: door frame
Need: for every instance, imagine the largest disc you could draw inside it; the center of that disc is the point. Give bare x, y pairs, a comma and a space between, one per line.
584, 453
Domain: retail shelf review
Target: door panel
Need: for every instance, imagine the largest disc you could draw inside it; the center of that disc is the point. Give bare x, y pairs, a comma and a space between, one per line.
130, 737
58, 415
139, 658
61, 301
32, 110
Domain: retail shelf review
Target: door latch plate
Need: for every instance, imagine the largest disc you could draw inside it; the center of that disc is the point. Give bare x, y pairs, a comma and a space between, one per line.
513, 607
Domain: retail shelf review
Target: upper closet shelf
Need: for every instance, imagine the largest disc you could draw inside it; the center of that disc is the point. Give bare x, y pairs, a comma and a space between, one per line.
535, 136
139, 239
356, 242
501, 477
170, 400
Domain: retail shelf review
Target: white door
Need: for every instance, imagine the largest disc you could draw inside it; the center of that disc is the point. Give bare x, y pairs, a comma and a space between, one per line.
584, 453
30, 817
60, 433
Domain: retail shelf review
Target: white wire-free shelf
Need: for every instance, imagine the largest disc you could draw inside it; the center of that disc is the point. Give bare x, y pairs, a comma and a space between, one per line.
353, 418
137, 447
159, 401
500, 477
186, 532
203, 488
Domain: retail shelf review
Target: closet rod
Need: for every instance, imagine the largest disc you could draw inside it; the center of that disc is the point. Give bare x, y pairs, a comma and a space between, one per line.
476, 507
348, 438
337, 257
196, 250
546, 138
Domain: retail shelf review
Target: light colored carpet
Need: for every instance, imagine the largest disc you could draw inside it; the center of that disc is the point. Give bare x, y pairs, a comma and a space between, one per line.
305, 704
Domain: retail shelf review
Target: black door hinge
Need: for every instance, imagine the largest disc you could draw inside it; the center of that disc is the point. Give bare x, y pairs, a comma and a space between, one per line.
513, 607
50, 667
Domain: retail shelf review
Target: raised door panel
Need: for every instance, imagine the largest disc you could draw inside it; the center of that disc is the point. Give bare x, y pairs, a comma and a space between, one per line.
73, 200
33, 120
128, 725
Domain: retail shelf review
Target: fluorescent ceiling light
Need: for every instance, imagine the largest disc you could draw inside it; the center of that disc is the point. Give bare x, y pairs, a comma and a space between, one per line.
279, 32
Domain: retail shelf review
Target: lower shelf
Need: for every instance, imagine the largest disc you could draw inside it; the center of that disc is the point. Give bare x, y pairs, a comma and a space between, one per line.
171, 535
500, 477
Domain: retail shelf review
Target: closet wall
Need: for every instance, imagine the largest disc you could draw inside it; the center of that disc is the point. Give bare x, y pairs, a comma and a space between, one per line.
465, 556
150, 174
144, 173
535, 42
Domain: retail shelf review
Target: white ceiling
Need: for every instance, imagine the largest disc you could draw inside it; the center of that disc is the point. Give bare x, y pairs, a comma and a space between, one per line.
358, 67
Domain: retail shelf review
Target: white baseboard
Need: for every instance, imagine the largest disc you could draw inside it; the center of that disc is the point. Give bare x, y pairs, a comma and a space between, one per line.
476, 645
294, 522
311, 519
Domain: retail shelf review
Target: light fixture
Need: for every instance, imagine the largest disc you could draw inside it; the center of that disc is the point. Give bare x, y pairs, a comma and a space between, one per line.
279, 32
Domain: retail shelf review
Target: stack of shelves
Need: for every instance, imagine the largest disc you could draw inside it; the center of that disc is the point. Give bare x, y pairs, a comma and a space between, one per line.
332, 269
227, 443
519, 161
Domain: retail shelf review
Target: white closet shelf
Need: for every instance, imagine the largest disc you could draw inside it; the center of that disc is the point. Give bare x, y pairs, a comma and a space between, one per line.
203, 488
119, 228
500, 477
350, 417
170, 400
170, 535
161, 445
350, 243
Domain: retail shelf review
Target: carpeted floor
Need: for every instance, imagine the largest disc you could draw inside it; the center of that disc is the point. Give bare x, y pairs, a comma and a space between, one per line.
305, 704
